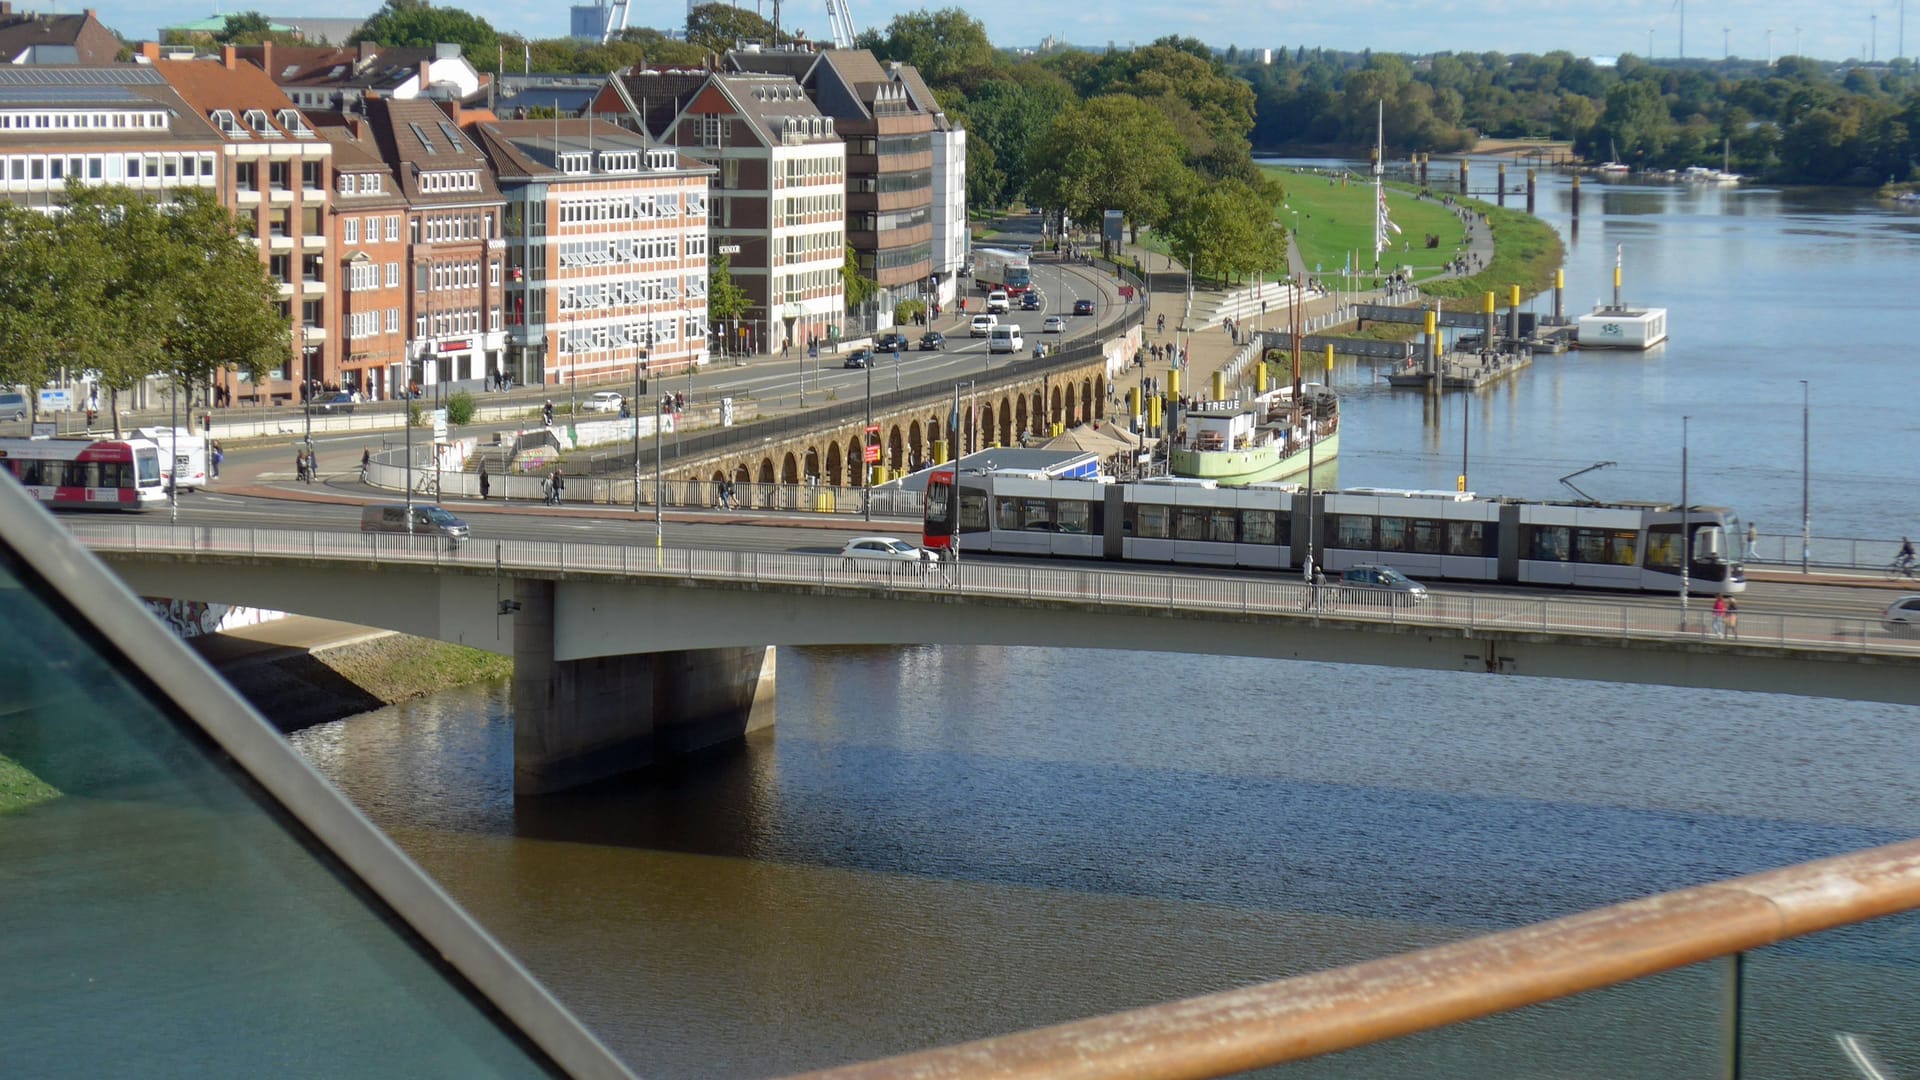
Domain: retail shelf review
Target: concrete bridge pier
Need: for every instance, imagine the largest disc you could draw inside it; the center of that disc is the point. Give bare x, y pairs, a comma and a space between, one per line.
580, 721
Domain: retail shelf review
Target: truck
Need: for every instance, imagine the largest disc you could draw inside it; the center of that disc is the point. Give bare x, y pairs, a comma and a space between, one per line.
1002, 268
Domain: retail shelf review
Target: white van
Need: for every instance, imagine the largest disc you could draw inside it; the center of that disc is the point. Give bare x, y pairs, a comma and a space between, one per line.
1005, 338
997, 302
188, 454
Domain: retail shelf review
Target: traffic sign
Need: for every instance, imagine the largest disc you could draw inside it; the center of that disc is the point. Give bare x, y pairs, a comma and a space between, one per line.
56, 400
728, 249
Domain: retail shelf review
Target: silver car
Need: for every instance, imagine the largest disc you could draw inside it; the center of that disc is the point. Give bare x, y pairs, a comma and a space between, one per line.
1370, 582
1902, 617
883, 548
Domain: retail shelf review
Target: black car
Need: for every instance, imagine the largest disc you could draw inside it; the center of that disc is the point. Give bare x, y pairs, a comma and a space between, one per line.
1083, 307
859, 358
891, 342
1030, 301
931, 340
337, 403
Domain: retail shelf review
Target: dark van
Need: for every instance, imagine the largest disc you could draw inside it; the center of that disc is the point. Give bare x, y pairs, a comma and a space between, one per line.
427, 521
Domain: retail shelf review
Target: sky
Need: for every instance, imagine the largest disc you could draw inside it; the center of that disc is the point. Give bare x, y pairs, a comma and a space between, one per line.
1846, 29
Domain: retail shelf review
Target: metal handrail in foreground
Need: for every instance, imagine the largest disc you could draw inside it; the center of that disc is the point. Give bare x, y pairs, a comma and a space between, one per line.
1345, 1008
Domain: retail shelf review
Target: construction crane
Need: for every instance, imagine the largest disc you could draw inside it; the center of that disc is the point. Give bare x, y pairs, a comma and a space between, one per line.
840, 21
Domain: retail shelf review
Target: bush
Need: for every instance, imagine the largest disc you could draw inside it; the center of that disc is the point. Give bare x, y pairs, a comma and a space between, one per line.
905, 310
416, 416
460, 408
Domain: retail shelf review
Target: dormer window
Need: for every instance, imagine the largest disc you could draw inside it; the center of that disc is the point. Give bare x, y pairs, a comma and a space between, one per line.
256, 120
575, 164
349, 183
223, 119
661, 159
294, 123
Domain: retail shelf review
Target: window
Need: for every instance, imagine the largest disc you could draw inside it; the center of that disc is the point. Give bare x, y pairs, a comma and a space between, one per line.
349, 184
1468, 538
1150, 521
350, 231
1547, 543
393, 275
393, 220
1352, 531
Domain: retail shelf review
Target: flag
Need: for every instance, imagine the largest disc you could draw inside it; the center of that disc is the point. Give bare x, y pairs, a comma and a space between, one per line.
1386, 224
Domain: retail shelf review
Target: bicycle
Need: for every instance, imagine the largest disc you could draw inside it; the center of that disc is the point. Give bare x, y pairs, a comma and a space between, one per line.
1898, 570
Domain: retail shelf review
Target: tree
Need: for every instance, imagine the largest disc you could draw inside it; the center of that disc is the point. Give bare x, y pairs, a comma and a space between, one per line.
726, 300
856, 289
720, 26
418, 24
1115, 152
941, 44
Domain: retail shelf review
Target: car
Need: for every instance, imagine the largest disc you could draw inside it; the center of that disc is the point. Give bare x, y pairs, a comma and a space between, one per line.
931, 340
337, 403
1083, 307
859, 358
882, 548
983, 325
1026, 249
1902, 617
1053, 324
891, 341
997, 301
13, 405
605, 401
1371, 581
1030, 301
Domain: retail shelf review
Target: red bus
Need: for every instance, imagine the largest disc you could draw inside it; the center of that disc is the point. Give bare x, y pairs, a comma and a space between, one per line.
77, 474
937, 534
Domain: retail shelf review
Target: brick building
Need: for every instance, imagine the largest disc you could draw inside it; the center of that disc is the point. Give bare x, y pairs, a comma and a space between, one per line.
606, 244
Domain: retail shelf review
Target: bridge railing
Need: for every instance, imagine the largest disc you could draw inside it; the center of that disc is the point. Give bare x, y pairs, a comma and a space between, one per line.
1547, 613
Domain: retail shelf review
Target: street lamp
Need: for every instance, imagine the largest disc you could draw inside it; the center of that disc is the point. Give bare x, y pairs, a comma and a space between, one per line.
659, 465
633, 410
1806, 519
306, 376
866, 469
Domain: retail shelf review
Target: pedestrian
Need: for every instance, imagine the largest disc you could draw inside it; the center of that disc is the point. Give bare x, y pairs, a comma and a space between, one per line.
559, 486
1733, 618
483, 482
218, 456
366, 460
300, 465
1720, 616
546, 489
1753, 542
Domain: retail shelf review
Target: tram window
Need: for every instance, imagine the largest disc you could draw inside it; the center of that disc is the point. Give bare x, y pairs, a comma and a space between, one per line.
1006, 512
973, 511
1468, 538
1222, 526
1353, 531
149, 465
1423, 536
80, 474
1663, 548
1191, 524
1071, 515
1150, 521
939, 499
1547, 543
1393, 534
1036, 515
1257, 527
113, 474
31, 472
1590, 545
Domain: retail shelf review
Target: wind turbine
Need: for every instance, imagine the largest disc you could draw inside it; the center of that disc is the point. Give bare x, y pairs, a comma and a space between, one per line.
1681, 7
1769, 46
1796, 41
1726, 50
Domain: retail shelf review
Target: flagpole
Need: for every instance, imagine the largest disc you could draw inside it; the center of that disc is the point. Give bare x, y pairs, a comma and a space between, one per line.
1379, 194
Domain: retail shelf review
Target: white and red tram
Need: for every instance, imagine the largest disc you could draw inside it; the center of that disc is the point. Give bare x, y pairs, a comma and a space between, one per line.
79, 474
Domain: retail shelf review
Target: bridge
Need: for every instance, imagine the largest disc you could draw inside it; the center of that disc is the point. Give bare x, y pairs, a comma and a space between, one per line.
595, 627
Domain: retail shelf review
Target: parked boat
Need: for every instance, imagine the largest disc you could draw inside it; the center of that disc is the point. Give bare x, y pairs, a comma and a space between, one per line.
1618, 325
1615, 167
1273, 436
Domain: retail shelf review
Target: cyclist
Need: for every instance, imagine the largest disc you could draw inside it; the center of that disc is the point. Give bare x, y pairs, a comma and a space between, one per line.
1904, 560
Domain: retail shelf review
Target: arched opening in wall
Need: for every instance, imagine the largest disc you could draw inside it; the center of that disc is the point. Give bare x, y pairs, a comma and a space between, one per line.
1020, 423
812, 464
790, 469
1099, 395
833, 465
719, 476
742, 474
936, 432
1070, 415
1005, 434
856, 464
1056, 408
1089, 405
766, 470
916, 446
896, 448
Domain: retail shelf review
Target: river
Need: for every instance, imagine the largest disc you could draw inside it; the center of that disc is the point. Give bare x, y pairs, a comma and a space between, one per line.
936, 844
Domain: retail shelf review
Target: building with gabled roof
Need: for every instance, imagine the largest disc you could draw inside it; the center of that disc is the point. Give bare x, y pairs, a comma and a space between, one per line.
119, 124
779, 198
453, 235
606, 241
889, 137
340, 78
370, 237
28, 37
277, 178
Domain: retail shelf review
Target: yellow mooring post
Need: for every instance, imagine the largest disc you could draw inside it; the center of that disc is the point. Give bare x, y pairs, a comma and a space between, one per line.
1329, 359
1219, 386
1260, 377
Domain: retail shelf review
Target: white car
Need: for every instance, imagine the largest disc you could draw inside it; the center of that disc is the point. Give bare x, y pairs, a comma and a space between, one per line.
886, 548
1902, 617
605, 401
983, 325
1053, 324
997, 301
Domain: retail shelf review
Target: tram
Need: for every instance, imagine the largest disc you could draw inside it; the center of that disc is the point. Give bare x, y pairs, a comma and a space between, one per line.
78, 474
1434, 535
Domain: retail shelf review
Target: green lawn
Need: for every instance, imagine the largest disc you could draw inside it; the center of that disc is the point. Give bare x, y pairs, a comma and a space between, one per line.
1332, 218
19, 788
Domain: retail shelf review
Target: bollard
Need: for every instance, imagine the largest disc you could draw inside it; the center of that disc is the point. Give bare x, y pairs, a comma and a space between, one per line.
1486, 309
1560, 292
1501, 186
1513, 314
1532, 186
1574, 199
1463, 176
